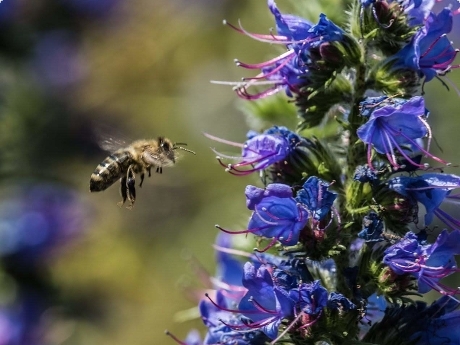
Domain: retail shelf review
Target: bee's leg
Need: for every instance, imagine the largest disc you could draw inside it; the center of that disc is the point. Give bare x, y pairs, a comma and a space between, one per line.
160, 170
130, 186
123, 191
143, 174
142, 179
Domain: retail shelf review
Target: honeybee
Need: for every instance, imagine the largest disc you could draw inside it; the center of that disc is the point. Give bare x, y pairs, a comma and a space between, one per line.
137, 158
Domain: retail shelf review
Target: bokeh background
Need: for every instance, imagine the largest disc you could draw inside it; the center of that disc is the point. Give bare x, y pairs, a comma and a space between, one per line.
75, 268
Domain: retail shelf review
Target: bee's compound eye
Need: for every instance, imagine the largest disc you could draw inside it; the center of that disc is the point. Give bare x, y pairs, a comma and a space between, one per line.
165, 146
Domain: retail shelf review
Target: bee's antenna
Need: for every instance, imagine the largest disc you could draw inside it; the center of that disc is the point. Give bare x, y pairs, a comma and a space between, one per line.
183, 148
185, 144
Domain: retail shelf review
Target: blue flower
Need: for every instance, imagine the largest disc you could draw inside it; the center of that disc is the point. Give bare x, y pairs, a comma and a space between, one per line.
225, 325
278, 217
372, 228
293, 27
229, 270
276, 214
261, 150
265, 303
415, 10
364, 173
438, 325
427, 263
324, 31
430, 52
430, 190
316, 197
309, 298
393, 127
38, 220
290, 70
337, 301
375, 311
367, 3
284, 72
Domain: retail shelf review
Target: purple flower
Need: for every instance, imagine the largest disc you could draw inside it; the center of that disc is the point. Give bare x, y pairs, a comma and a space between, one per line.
261, 150
225, 325
394, 128
428, 263
337, 301
22, 322
430, 190
316, 197
276, 214
290, 70
292, 27
324, 31
430, 52
38, 220
439, 324
372, 228
415, 10
265, 303
229, 270
375, 311
57, 60
364, 173
309, 298
278, 217
284, 71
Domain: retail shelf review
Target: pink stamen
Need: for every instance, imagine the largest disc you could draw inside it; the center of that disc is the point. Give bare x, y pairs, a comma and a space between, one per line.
259, 37
447, 219
261, 307
287, 55
243, 93
249, 231
395, 132
266, 221
231, 251
227, 288
408, 266
288, 328
220, 140
255, 161
220, 307
273, 71
174, 338
430, 48
271, 244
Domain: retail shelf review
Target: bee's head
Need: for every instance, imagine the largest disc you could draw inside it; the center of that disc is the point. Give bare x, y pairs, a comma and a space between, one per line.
165, 153
166, 150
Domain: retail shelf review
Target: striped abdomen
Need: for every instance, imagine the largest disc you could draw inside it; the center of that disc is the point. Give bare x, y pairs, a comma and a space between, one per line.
109, 171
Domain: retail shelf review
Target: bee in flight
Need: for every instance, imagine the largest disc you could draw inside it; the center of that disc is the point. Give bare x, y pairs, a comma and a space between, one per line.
137, 158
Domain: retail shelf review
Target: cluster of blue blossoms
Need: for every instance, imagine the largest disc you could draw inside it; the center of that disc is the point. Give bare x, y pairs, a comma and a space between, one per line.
342, 247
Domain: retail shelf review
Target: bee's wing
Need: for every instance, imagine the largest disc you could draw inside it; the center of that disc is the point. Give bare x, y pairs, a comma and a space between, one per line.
111, 144
109, 139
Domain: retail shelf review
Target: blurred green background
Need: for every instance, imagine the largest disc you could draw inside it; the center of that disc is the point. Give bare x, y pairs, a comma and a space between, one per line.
76, 268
